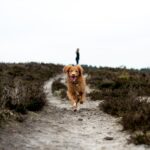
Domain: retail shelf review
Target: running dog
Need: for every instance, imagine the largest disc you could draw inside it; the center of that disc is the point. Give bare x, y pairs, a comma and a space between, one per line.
75, 84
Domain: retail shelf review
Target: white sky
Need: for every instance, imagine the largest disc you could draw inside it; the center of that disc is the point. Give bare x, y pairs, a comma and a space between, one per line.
108, 32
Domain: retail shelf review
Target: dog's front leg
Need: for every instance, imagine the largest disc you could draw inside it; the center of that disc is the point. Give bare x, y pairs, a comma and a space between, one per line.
72, 98
81, 97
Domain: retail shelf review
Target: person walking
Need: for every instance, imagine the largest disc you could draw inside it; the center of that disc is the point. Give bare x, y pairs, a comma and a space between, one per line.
77, 56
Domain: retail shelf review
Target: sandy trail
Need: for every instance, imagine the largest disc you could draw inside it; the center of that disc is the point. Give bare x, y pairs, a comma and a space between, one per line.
57, 127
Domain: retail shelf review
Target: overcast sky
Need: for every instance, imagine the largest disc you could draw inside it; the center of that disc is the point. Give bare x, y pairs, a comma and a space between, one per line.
108, 32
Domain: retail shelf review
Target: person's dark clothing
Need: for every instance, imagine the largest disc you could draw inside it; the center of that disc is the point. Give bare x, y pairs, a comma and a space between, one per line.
77, 57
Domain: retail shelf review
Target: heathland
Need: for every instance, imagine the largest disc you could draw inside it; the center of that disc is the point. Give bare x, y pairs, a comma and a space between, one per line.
121, 92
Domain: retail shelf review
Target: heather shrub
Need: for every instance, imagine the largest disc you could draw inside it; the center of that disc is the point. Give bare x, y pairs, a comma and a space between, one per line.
59, 89
95, 95
122, 90
21, 86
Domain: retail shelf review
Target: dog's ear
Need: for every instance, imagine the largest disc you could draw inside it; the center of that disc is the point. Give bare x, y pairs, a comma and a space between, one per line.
80, 69
66, 69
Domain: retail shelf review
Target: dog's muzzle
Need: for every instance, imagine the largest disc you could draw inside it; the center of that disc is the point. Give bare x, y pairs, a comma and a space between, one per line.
73, 78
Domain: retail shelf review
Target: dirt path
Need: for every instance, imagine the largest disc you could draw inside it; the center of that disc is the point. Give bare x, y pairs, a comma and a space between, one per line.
57, 127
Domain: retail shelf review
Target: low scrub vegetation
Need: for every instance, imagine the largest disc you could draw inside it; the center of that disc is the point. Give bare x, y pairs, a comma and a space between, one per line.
21, 87
59, 88
122, 91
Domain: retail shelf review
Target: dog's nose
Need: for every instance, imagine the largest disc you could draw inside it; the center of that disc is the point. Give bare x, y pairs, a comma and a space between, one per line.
73, 74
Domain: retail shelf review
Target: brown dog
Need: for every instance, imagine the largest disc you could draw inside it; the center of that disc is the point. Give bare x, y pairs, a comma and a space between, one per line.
75, 84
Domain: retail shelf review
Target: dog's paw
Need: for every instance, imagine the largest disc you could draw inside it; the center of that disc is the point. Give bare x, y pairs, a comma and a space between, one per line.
74, 104
75, 109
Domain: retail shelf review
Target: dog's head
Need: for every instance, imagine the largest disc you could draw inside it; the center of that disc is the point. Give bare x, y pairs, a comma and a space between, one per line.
73, 72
